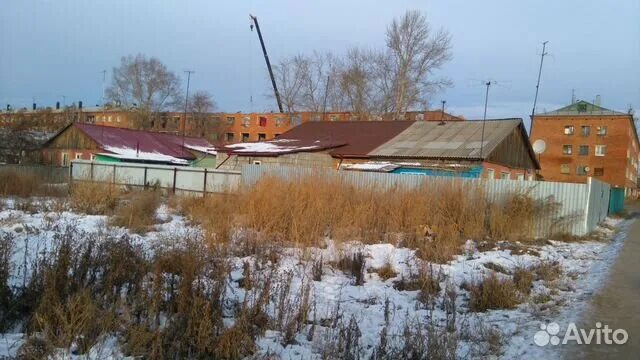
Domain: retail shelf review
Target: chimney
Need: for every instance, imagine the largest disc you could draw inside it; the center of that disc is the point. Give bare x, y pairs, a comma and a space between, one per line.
57, 105
80, 104
598, 100
34, 106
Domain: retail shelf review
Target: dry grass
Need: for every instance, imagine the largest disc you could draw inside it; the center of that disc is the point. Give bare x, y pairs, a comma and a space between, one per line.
21, 184
138, 214
547, 270
386, 271
523, 278
493, 293
94, 198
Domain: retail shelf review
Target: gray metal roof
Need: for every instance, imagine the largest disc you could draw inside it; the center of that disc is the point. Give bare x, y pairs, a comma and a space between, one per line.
461, 139
582, 108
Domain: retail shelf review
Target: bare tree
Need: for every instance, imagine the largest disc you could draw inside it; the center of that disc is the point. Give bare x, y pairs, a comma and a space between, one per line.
201, 106
290, 74
357, 81
415, 52
145, 83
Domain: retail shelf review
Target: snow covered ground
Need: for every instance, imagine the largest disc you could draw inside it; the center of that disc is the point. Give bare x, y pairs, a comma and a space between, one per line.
583, 264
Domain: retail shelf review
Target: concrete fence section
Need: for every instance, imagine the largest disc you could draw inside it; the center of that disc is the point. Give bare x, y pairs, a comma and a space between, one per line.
573, 208
176, 179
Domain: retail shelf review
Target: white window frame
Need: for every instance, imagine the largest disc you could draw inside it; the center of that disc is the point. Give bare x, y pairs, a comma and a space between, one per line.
520, 177
601, 150
570, 147
503, 173
64, 159
565, 166
569, 129
78, 156
491, 174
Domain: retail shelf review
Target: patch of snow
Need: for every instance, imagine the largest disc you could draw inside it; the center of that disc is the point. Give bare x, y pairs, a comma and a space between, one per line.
272, 146
202, 149
134, 154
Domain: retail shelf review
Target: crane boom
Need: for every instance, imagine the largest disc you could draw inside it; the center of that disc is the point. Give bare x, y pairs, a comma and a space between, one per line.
266, 58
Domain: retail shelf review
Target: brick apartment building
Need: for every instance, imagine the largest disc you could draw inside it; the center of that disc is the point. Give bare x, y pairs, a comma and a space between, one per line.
585, 139
215, 127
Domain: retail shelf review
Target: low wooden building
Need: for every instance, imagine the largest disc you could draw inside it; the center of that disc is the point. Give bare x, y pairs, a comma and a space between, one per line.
497, 149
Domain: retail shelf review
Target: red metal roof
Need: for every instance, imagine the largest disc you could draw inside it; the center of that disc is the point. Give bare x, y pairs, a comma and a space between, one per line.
144, 141
359, 137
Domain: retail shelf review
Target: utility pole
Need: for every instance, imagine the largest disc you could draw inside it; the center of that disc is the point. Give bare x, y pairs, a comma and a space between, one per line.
186, 100
484, 118
535, 99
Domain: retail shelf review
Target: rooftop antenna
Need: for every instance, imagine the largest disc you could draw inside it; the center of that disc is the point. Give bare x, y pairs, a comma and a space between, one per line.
186, 100
484, 117
535, 99
442, 113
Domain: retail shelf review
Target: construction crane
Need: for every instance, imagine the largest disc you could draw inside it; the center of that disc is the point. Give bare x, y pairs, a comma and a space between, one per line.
266, 58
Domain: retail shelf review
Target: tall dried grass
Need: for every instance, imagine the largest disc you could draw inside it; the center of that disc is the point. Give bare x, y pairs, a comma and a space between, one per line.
138, 214
22, 184
94, 198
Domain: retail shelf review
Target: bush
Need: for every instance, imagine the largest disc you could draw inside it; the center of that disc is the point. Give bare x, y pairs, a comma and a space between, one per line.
353, 265
138, 213
386, 272
523, 279
94, 198
493, 293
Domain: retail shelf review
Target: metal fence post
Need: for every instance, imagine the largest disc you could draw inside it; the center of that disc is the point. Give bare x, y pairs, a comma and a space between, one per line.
204, 186
144, 181
70, 177
113, 180
92, 171
175, 173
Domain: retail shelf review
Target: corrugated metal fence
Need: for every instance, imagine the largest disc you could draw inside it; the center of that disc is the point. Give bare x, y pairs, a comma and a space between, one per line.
579, 207
176, 178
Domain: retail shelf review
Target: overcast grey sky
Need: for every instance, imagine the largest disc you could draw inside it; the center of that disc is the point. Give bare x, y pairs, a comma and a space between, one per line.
50, 48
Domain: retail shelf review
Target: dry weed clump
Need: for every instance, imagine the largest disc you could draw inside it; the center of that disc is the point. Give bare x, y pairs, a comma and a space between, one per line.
493, 293
94, 198
138, 214
14, 183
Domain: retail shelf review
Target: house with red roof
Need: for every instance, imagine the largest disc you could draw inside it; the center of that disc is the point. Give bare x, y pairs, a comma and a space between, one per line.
112, 144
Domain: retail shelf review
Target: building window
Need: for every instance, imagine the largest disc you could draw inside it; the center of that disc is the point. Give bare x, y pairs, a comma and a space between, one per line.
231, 120
93, 157
246, 121
78, 156
279, 121
601, 150
276, 135
569, 130
257, 162
262, 121
109, 118
602, 130
420, 117
567, 149
565, 169
598, 171
583, 150
504, 175
230, 137
118, 118
491, 174
586, 130
315, 117
296, 120
65, 159
333, 117
262, 137
245, 137
581, 170
520, 177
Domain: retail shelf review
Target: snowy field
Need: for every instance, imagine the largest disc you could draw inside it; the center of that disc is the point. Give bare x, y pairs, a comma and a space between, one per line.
377, 304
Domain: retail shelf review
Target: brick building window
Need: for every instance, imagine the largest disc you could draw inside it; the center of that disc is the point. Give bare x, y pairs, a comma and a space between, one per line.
231, 120
601, 150
586, 130
565, 169
583, 150
78, 156
598, 171
245, 137
296, 120
279, 121
230, 137
601, 130
262, 121
581, 170
504, 175
262, 137
246, 121
333, 117
567, 149
491, 174
569, 130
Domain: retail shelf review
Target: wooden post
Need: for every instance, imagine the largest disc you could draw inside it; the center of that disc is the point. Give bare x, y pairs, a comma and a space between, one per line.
70, 177
175, 173
114, 174
92, 171
204, 186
